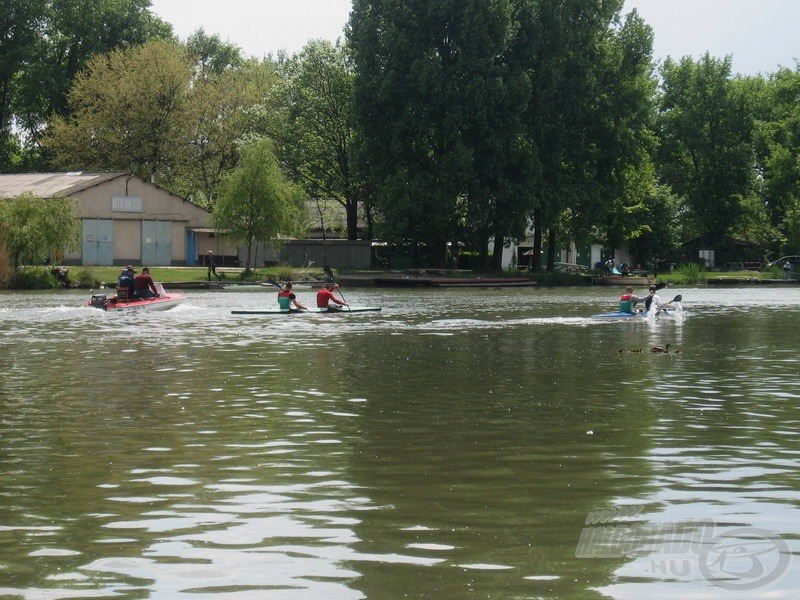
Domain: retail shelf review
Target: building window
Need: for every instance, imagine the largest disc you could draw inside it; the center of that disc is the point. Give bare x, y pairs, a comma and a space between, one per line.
126, 204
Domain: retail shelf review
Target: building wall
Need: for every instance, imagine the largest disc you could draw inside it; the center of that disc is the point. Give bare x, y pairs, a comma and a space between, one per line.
130, 200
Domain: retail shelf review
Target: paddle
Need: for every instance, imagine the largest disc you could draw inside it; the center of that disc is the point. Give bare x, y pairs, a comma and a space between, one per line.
329, 273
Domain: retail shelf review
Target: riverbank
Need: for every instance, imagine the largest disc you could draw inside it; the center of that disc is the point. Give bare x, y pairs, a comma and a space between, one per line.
197, 278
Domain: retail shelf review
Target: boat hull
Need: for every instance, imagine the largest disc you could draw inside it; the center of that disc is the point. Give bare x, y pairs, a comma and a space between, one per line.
311, 311
111, 304
665, 314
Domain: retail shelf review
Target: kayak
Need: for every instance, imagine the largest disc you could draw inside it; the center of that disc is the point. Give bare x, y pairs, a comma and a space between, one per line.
664, 314
113, 304
311, 311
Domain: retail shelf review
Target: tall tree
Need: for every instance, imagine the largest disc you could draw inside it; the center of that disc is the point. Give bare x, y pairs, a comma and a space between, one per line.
257, 203
706, 133
222, 98
70, 34
778, 154
438, 109
21, 24
128, 112
589, 113
316, 99
408, 112
503, 160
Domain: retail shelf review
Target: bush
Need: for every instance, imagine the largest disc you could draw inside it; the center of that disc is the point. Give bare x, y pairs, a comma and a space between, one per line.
32, 278
85, 278
686, 274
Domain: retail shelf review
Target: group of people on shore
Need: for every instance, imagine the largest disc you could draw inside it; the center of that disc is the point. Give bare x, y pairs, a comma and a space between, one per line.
287, 300
628, 300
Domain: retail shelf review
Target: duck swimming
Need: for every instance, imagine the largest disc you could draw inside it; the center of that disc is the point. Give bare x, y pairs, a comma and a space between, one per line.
665, 349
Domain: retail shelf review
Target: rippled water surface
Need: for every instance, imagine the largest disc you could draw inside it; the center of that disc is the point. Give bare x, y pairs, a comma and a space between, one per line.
492, 443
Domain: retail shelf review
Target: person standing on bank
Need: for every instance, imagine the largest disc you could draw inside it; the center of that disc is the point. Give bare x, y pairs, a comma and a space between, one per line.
212, 267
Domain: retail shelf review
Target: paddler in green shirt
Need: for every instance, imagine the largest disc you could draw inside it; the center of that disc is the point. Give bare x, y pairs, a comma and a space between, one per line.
287, 300
628, 301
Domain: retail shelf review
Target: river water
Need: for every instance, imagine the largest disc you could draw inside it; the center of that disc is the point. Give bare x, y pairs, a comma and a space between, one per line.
491, 443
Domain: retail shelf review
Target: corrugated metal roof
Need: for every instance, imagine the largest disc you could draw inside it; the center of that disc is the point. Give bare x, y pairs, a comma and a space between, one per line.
51, 185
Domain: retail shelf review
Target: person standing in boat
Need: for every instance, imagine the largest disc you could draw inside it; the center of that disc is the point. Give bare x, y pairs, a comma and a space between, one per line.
326, 297
144, 284
287, 299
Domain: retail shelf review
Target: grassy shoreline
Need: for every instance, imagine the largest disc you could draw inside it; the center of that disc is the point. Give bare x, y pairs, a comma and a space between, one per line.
93, 277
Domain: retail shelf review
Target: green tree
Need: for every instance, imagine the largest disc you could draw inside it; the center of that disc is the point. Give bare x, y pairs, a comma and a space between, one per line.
34, 230
128, 112
257, 204
315, 100
706, 142
218, 119
211, 55
660, 232
21, 23
69, 34
408, 115
588, 118
778, 154
438, 108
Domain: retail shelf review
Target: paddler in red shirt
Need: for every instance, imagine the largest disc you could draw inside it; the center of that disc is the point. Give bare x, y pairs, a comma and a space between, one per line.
325, 296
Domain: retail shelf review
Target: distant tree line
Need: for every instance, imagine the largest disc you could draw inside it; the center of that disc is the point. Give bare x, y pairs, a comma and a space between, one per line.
439, 127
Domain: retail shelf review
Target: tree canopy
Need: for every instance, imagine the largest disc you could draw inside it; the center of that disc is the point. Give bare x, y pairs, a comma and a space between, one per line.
448, 126
34, 230
44, 44
257, 204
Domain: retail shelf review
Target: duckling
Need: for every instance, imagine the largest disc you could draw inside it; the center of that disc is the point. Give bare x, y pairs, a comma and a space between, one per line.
665, 349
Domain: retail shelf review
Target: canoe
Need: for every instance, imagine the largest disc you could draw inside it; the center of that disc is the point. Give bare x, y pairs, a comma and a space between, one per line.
664, 314
311, 311
113, 304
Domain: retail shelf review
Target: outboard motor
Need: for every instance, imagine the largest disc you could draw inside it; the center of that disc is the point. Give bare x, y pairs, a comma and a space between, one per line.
99, 301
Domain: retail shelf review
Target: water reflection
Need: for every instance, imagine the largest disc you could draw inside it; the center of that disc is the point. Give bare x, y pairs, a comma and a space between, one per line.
454, 443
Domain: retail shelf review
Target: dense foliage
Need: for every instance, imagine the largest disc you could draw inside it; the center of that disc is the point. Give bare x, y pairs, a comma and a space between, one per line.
35, 230
257, 204
440, 127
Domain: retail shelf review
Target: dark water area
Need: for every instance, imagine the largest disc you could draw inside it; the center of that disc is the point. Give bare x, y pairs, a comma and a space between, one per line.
493, 443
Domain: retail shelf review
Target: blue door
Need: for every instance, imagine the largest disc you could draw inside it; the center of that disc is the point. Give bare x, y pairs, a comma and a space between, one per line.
97, 248
157, 243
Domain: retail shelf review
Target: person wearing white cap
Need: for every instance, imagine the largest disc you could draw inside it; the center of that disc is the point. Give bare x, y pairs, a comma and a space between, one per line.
212, 267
